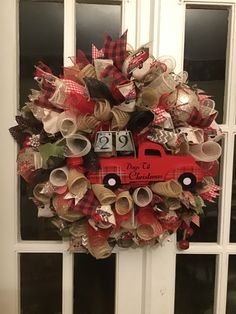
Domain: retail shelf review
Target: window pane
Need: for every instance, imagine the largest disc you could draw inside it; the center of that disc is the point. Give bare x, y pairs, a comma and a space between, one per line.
233, 205
205, 50
231, 295
41, 283
93, 20
94, 285
41, 38
195, 279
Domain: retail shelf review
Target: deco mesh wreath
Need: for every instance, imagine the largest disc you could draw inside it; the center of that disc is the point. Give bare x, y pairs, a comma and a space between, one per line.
119, 151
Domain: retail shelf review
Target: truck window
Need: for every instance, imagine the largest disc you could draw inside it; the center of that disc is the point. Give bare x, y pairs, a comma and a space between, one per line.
152, 152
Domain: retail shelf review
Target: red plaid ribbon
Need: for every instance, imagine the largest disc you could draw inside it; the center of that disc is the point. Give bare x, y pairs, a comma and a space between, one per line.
44, 102
180, 139
115, 49
47, 88
47, 85
73, 87
212, 193
159, 118
97, 53
80, 59
88, 204
196, 119
118, 77
42, 67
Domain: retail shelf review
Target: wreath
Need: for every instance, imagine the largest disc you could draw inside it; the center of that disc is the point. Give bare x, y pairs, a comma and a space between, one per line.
119, 150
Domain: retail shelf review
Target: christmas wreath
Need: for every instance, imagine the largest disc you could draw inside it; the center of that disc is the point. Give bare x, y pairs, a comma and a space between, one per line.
119, 150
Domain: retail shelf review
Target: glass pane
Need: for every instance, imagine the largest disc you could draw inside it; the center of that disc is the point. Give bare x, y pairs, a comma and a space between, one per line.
93, 20
231, 294
195, 279
233, 205
94, 285
41, 283
205, 50
41, 38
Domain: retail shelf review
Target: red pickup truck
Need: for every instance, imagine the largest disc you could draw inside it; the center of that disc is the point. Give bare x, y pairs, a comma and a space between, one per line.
152, 164
138, 59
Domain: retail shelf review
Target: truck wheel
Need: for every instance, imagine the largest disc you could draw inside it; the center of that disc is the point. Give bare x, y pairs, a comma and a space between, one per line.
112, 181
187, 180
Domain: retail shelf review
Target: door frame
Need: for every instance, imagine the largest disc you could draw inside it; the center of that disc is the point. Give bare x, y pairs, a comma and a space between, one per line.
141, 287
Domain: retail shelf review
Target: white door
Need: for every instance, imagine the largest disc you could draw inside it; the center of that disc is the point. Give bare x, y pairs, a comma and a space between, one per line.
160, 280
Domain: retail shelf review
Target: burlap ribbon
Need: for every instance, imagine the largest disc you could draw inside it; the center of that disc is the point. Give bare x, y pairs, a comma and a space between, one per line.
104, 195
170, 188
124, 203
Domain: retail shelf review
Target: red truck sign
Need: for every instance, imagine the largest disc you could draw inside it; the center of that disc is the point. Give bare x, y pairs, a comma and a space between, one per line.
138, 59
152, 164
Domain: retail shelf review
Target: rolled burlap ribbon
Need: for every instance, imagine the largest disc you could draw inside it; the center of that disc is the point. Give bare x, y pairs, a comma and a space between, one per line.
102, 110
148, 232
104, 195
142, 196
119, 119
149, 97
67, 124
124, 203
149, 227
87, 71
77, 229
59, 176
171, 188
78, 145
207, 151
77, 182
163, 84
101, 251
97, 242
87, 123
